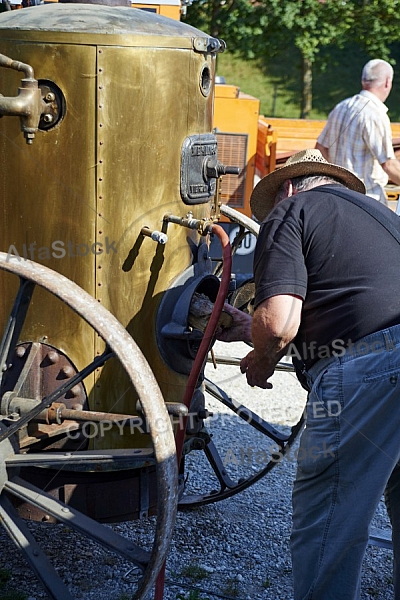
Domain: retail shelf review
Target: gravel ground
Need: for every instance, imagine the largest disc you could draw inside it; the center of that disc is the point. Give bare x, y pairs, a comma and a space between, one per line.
237, 548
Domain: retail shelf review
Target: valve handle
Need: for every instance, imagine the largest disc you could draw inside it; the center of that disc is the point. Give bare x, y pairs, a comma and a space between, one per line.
213, 169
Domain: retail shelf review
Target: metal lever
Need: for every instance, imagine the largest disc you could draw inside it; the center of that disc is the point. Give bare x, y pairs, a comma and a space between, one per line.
214, 168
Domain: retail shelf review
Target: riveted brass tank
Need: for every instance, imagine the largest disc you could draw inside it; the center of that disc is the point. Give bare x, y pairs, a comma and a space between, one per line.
125, 108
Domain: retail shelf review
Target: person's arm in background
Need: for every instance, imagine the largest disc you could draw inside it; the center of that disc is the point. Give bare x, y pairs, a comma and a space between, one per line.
392, 169
324, 151
275, 324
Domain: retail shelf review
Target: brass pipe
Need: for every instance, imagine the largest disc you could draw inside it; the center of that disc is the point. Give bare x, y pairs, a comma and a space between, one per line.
156, 236
203, 226
62, 413
9, 63
58, 412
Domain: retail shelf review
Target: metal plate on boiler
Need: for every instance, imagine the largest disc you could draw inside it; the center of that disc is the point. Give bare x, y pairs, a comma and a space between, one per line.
196, 186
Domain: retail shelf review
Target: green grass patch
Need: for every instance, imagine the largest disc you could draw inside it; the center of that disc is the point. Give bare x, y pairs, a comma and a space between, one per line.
12, 595
5, 576
192, 595
194, 572
231, 587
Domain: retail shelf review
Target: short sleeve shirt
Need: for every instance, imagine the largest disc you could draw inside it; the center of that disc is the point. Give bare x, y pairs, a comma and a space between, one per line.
338, 259
358, 137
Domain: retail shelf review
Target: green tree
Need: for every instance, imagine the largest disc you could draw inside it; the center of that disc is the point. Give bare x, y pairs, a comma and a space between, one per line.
234, 21
309, 25
376, 25
260, 28
252, 29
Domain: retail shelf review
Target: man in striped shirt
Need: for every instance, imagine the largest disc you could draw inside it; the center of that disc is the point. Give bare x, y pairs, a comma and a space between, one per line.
358, 136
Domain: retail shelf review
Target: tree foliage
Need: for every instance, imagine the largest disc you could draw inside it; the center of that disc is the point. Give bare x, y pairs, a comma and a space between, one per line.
310, 25
376, 25
234, 21
256, 28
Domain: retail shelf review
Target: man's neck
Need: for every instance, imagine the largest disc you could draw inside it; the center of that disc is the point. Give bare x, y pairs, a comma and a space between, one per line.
380, 92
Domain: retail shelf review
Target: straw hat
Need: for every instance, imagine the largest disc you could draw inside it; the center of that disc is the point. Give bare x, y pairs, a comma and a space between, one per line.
306, 162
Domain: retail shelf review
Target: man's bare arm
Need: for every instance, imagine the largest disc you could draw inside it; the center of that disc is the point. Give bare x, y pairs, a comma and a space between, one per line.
324, 151
392, 168
275, 324
240, 328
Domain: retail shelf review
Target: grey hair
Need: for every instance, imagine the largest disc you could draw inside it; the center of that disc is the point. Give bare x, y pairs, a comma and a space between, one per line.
375, 72
306, 182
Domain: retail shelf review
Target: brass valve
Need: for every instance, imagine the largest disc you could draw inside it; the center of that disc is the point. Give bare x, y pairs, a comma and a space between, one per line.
203, 226
28, 105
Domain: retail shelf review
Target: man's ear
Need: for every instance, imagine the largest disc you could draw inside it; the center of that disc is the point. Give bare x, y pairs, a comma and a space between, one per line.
289, 189
285, 191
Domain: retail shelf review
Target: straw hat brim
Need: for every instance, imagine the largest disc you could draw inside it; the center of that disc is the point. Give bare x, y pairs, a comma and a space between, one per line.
262, 199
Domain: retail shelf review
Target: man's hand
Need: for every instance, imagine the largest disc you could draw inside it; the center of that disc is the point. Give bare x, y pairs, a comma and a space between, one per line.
257, 373
240, 330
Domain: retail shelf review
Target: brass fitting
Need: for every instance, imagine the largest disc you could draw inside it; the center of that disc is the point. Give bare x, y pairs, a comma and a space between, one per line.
28, 105
203, 226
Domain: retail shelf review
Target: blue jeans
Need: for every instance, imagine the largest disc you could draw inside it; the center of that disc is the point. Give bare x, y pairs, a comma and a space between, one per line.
348, 453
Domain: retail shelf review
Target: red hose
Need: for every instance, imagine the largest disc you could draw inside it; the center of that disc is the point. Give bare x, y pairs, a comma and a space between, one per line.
199, 362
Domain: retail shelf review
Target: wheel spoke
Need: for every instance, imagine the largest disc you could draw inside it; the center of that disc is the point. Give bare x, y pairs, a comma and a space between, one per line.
245, 413
215, 460
99, 533
96, 460
15, 322
26, 543
193, 500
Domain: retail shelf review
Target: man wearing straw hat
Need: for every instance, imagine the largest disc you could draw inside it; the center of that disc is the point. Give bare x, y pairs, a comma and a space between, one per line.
328, 288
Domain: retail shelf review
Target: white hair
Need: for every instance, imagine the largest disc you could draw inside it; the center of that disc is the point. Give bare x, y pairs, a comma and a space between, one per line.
304, 183
375, 72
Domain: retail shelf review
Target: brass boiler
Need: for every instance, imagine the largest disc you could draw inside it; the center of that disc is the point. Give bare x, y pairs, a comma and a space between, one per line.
124, 119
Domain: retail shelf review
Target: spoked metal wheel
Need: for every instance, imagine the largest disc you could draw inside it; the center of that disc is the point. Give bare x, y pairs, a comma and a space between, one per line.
237, 444
27, 456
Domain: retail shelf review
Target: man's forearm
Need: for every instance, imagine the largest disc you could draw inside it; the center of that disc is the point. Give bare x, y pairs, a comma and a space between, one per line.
324, 151
275, 324
392, 169
269, 345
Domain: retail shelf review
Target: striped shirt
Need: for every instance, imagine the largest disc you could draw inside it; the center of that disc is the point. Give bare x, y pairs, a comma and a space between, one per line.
358, 137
